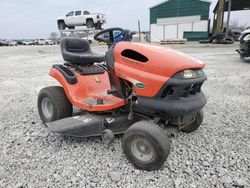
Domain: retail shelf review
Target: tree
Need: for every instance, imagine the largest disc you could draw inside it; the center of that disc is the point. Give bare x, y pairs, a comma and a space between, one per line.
235, 25
53, 36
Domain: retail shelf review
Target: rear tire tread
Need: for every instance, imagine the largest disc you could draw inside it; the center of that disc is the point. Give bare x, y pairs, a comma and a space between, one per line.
61, 105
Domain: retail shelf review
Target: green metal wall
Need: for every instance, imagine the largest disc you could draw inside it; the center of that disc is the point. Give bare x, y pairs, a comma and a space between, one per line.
178, 8
195, 35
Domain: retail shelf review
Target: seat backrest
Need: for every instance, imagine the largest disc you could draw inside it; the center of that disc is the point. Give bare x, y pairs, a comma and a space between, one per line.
75, 45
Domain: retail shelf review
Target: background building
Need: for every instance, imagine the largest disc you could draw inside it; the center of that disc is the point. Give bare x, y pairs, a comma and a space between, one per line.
179, 19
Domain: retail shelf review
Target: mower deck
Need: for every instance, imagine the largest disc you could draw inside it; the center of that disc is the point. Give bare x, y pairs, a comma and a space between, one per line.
87, 125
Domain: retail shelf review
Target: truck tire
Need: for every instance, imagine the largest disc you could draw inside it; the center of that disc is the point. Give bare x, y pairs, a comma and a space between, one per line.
53, 104
90, 23
98, 26
61, 25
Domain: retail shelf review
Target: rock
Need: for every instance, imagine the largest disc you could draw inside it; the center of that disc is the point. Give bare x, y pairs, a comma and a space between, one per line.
188, 163
238, 182
188, 171
115, 176
3, 173
29, 153
192, 185
177, 183
19, 185
227, 181
206, 164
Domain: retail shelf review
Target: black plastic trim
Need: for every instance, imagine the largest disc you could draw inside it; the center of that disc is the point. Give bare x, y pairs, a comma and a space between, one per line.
67, 74
179, 85
174, 107
177, 97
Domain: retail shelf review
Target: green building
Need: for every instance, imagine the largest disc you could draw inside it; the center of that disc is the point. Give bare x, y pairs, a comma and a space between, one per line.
179, 19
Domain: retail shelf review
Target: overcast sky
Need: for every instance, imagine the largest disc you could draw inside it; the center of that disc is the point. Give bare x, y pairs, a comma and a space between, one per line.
37, 18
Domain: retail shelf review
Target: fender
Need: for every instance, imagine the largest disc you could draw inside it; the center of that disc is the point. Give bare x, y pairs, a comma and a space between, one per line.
90, 87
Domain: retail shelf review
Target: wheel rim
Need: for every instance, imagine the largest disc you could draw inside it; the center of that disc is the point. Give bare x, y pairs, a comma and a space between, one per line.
142, 149
47, 108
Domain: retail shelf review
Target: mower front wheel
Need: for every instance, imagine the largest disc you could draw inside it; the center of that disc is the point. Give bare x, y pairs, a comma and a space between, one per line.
53, 104
146, 145
195, 125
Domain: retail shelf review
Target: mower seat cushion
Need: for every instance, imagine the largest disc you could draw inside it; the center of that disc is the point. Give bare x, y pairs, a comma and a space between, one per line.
78, 51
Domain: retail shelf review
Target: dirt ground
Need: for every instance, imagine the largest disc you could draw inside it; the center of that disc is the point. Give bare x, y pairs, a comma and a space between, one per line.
216, 155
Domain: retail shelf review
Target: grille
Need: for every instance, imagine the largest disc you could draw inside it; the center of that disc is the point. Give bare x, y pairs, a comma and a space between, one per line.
184, 91
191, 90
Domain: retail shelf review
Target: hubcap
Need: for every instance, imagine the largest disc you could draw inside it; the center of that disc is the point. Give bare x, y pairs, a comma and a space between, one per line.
47, 108
142, 149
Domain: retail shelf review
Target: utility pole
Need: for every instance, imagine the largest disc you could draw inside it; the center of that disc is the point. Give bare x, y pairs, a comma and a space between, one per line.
220, 16
228, 15
139, 28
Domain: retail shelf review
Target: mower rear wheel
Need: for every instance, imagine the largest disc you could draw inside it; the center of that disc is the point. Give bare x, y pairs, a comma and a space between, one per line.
53, 104
195, 125
146, 145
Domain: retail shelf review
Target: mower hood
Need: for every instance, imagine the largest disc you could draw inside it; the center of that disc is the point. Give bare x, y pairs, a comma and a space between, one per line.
162, 60
150, 66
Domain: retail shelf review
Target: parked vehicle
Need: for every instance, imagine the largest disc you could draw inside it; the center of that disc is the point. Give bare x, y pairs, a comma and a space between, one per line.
19, 42
40, 42
12, 43
244, 50
236, 36
28, 42
81, 18
136, 88
4, 43
49, 42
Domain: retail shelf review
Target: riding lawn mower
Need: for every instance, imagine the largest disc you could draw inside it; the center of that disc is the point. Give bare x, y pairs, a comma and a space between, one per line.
135, 89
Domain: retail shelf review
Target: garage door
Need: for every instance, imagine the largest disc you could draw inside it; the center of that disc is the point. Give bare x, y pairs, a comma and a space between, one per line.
170, 32
156, 33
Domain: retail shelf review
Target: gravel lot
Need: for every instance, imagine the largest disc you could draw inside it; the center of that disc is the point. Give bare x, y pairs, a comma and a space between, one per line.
216, 155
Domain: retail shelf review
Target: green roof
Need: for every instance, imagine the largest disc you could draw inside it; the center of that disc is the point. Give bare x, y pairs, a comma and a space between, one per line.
179, 8
169, 0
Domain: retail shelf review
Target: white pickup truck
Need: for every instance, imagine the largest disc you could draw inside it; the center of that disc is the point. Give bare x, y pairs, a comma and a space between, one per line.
80, 18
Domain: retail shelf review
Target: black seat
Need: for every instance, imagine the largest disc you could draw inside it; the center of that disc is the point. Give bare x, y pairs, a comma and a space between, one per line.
78, 51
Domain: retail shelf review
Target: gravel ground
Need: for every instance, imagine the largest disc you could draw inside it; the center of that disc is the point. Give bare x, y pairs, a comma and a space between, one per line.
216, 155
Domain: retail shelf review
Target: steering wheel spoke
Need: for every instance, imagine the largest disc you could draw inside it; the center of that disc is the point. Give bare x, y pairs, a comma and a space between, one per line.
110, 32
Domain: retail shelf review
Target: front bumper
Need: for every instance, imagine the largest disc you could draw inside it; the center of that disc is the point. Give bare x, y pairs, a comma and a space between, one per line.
101, 21
174, 107
177, 98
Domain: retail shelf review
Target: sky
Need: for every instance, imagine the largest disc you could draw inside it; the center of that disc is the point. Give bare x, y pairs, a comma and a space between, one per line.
20, 19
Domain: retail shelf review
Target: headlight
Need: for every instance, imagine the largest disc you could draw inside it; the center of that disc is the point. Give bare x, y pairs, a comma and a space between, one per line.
189, 74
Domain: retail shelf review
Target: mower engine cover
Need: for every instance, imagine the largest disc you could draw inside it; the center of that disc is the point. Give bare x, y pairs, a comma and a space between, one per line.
163, 79
150, 65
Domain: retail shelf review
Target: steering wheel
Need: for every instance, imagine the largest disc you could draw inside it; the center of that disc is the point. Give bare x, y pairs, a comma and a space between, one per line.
111, 38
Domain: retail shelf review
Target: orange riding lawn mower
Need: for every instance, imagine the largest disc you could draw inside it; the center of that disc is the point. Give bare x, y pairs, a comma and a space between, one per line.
136, 89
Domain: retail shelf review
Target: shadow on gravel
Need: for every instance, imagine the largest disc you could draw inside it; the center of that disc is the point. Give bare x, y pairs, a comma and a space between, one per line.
246, 60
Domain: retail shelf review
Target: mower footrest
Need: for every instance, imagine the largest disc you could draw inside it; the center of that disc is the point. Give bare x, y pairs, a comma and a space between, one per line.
79, 126
96, 102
